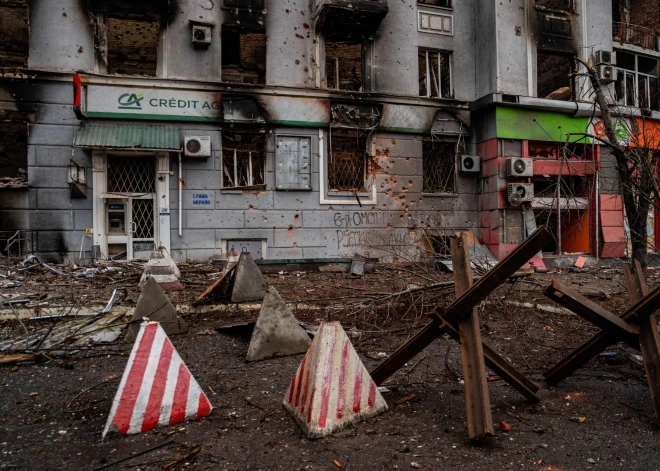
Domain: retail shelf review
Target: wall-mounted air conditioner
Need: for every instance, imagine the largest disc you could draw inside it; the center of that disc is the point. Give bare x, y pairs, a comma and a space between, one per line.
470, 164
605, 57
201, 36
606, 73
197, 146
518, 193
518, 167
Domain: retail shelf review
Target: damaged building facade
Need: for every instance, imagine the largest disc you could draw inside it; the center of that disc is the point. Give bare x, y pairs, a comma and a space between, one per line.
309, 130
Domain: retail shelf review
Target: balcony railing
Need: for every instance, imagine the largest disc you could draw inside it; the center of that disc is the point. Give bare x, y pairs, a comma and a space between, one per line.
635, 35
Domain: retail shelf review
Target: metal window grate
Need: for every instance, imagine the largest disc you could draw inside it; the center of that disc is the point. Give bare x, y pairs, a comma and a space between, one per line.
143, 219
131, 175
346, 166
439, 167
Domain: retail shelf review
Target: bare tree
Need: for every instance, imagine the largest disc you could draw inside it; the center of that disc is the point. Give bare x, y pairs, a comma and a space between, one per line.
633, 142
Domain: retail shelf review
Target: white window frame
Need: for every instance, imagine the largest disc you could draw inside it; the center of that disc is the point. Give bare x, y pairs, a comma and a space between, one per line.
450, 57
636, 76
250, 172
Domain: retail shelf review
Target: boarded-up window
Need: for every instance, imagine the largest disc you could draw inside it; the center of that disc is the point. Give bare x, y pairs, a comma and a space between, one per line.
344, 65
243, 56
243, 160
13, 151
439, 167
293, 166
347, 160
14, 33
132, 44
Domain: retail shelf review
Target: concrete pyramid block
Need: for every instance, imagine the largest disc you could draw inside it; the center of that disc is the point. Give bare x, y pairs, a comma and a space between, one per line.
277, 332
162, 268
332, 388
154, 305
156, 388
249, 282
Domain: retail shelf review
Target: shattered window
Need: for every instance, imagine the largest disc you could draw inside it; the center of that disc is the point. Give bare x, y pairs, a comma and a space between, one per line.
554, 78
14, 33
343, 65
436, 3
132, 44
560, 5
439, 167
347, 160
243, 56
13, 152
435, 76
243, 160
637, 81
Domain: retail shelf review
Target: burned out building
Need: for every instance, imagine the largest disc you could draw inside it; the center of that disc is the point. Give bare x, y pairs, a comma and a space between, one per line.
310, 130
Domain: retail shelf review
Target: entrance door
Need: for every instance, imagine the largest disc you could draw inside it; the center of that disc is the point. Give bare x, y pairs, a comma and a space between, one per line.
133, 179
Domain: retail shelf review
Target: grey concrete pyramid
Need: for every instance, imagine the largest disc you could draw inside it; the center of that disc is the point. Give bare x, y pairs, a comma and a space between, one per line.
156, 306
277, 332
249, 282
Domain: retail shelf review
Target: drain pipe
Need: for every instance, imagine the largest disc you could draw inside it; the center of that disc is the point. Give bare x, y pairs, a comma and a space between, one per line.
180, 195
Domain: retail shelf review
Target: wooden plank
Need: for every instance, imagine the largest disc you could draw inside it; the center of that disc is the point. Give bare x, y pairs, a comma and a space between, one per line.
218, 290
649, 337
599, 342
472, 297
592, 312
477, 400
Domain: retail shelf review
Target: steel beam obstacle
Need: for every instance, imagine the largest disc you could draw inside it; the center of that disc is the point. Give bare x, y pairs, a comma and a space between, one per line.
461, 322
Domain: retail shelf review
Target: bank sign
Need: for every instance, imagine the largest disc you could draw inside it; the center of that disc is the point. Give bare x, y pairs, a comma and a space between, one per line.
147, 103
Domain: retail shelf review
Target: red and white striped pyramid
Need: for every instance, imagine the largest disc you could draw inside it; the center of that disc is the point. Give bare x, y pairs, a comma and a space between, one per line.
332, 388
156, 388
162, 268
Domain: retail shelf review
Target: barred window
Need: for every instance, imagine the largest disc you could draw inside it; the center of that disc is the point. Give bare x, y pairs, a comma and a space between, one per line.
439, 167
243, 160
347, 160
131, 174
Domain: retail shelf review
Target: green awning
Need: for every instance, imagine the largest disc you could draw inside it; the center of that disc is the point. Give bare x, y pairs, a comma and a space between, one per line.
128, 136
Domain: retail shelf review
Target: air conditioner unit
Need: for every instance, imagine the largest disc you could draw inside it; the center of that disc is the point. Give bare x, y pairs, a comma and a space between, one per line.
518, 193
518, 167
201, 36
606, 73
197, 146
605, 57
470, 164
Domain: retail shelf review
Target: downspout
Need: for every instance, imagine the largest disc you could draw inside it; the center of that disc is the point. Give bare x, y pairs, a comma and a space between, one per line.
180, 195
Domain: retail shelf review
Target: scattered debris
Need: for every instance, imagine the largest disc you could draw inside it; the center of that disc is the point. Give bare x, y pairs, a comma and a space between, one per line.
332, 269
218, 291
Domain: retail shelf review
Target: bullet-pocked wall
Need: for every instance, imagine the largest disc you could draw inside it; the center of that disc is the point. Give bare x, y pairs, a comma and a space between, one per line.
294, 224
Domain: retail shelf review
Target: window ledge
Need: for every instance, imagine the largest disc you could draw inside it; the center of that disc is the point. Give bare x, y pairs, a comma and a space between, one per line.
635, 49
435, 7
440, 195
241, 190
344, 194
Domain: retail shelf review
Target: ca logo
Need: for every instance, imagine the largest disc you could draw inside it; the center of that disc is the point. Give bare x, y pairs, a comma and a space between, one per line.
130, 101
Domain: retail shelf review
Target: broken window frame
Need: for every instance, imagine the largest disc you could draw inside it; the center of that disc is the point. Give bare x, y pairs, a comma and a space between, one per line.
364, 76
240, 31
571, 78
649, 80
231, 182
101, 35
436, 3
450, 185
16, 119
438, 84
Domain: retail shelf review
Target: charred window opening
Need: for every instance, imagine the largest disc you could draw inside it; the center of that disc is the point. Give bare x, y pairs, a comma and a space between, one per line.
13, 151
439, 167
243, 160
436, 3
347, 163
558, 5
435, 73
243, 56
636, 81
554, 150
130, 42
14, 33
554, 76
344, 65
